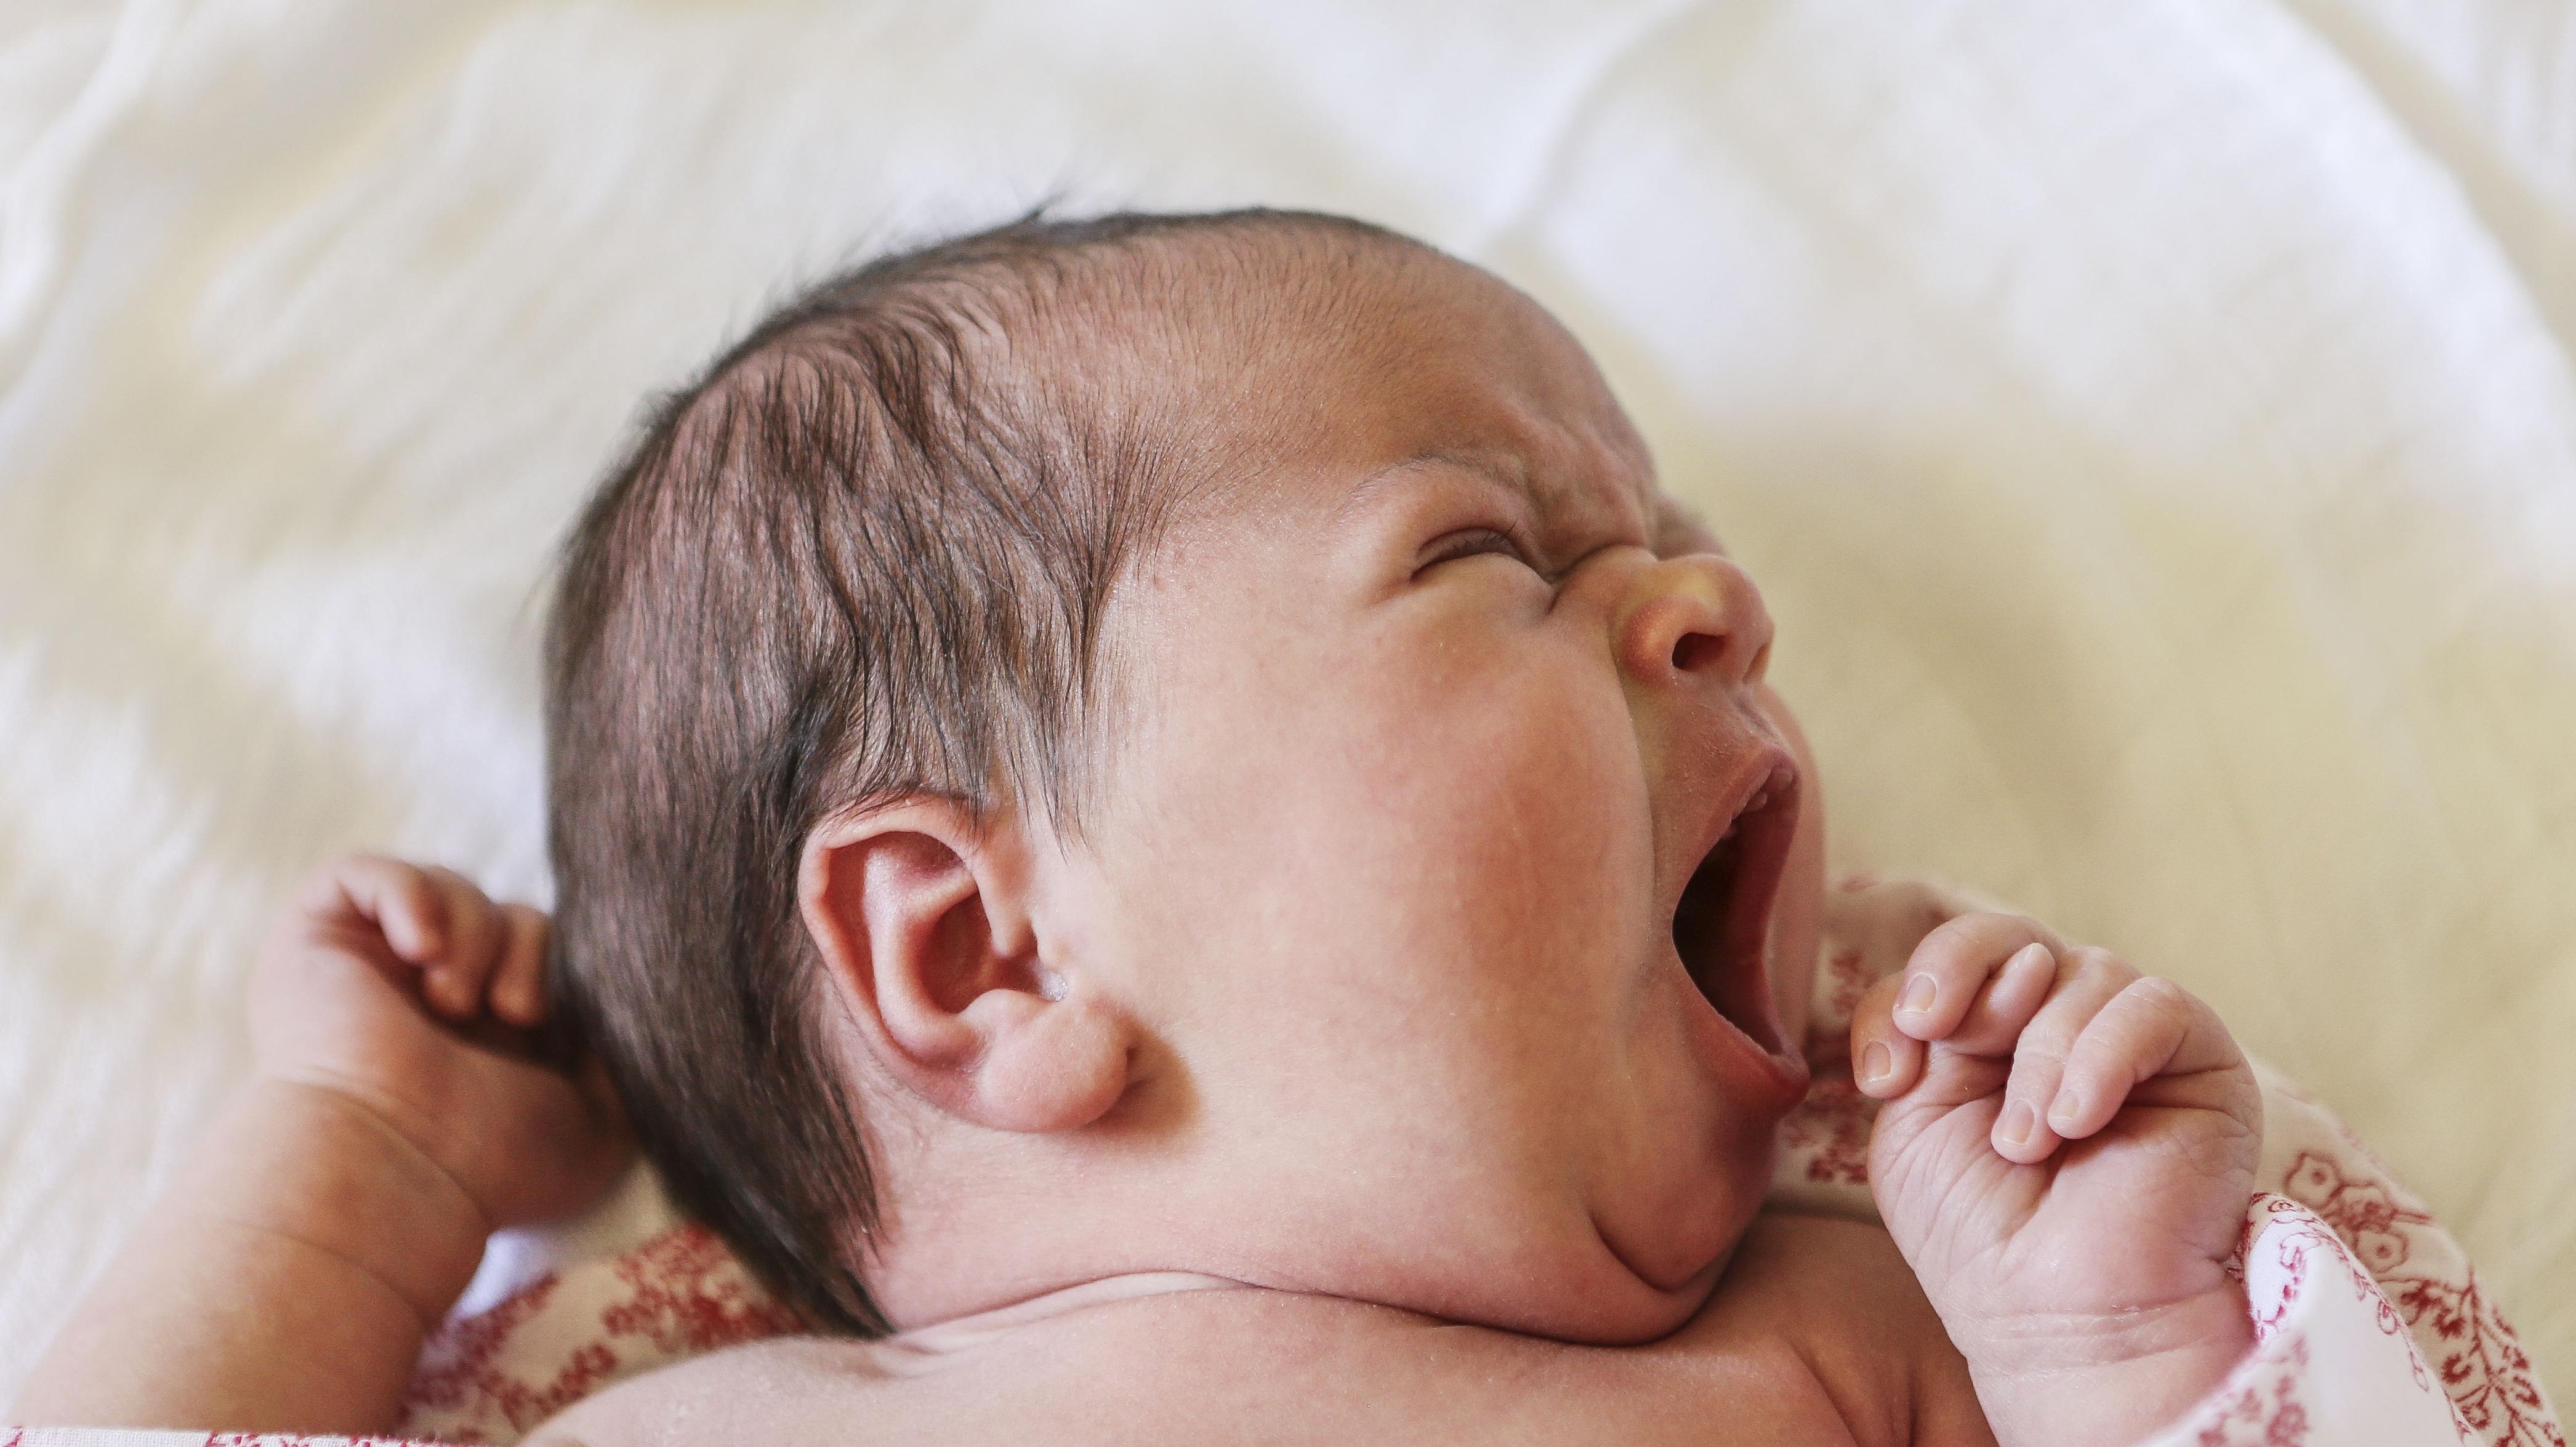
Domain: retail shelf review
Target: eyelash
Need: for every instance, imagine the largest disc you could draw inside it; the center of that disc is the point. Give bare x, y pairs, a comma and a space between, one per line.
1476, 542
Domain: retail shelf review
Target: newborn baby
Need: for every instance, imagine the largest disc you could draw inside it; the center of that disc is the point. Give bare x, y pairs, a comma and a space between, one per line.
1164, 808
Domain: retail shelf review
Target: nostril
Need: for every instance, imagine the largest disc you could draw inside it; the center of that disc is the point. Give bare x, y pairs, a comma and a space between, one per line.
1693, 652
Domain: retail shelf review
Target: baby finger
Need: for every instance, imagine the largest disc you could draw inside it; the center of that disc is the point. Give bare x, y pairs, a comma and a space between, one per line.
1885, 1060
2087, 980
2003, 1009
518, 992
1950, 966
2152, 1027
370, 892
476, 932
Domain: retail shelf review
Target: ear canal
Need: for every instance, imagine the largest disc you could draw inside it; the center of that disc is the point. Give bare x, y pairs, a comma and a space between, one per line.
960, 962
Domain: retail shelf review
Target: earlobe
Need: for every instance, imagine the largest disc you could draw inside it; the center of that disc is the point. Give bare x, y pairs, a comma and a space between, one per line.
921, 915
1062, 1067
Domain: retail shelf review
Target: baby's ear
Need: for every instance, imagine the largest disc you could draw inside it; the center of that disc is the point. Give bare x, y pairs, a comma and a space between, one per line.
922, 916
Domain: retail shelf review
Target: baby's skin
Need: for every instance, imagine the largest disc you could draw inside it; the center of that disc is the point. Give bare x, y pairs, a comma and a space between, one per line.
402, 1110
1397, 1050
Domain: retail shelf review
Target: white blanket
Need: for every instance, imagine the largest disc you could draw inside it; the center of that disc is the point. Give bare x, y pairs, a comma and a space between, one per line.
2154, 427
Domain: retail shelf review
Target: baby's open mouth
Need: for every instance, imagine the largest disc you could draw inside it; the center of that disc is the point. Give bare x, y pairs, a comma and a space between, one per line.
1722, 925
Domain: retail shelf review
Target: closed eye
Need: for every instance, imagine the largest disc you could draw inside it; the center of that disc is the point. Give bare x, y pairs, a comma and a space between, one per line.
1474, 542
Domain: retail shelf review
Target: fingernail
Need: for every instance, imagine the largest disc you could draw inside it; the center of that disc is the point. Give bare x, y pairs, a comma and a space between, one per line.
2069, 1106
2019, 1119
1876, 1063
1918, 994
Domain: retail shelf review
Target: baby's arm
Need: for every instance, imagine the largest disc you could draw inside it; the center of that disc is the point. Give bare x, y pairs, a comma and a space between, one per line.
284, 1281
405, 1103
2065, 1159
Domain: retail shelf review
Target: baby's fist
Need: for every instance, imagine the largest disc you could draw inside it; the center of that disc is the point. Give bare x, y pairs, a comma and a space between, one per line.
2065, 1158
407, 991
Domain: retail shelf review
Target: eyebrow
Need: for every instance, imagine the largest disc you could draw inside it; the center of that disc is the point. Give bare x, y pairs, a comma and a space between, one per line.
1502, 469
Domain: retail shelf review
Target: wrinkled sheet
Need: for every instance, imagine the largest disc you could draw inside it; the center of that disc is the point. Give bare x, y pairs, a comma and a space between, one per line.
2153, 426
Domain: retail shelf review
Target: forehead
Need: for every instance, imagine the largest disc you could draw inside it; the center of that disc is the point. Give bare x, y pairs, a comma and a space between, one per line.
1340, 385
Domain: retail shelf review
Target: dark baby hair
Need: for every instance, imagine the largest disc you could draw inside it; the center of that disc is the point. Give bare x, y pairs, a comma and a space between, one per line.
867, 554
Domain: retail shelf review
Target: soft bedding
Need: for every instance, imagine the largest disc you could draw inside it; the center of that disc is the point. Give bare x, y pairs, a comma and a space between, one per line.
2154, 427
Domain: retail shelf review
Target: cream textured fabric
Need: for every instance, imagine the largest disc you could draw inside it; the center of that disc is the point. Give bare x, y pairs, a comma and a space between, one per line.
2154, 427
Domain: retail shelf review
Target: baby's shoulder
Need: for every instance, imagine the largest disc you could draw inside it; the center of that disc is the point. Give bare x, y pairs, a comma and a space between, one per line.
1817, 1335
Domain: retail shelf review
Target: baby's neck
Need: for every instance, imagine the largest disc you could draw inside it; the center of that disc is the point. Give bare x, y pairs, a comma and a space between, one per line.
976, 1328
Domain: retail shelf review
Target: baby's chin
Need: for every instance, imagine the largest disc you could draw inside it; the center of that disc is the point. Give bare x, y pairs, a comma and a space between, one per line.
1673, 1264
1620, 1310
1630, 1269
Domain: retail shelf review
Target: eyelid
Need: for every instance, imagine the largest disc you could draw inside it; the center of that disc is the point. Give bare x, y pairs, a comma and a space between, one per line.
1438, 551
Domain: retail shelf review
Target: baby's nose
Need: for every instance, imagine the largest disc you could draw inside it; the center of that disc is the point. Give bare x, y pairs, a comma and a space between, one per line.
1694, 619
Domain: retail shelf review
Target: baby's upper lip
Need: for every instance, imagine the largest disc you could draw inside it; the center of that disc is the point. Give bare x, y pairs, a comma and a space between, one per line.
1767, 762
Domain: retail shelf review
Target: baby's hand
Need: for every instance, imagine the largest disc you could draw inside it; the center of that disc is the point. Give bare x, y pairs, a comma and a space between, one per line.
2065, 1160
407, 991
408, 1101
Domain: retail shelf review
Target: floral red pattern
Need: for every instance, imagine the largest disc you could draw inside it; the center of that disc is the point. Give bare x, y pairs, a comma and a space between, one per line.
2482, 1365
484, 1379
2266, 1411
1827, 1136
1826, 1139
1843, 979
2296, 1248
689, 1296
250, 1439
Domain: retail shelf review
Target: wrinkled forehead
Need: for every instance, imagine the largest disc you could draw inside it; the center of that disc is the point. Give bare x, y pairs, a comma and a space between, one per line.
1319, 385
